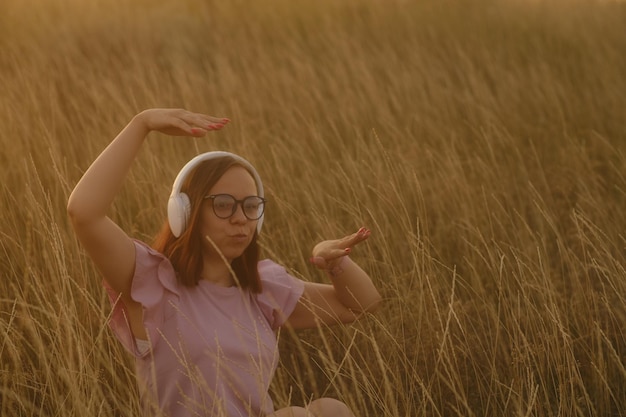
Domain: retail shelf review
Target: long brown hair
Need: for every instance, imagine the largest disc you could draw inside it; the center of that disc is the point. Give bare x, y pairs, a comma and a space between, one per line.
185, 252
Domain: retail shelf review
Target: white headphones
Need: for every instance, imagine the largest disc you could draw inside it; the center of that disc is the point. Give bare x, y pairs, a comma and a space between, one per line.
179, 206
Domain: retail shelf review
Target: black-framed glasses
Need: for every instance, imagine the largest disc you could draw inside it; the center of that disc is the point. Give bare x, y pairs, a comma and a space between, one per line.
225, 205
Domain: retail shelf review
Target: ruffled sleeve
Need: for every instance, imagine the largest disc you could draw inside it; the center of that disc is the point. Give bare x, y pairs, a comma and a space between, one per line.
155, 287
280, 294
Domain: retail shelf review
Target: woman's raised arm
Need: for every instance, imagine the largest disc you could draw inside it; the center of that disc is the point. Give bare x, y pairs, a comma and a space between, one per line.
110, 247
351, 294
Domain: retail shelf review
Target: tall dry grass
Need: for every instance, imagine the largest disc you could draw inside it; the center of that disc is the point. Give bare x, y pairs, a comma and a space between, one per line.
483, 142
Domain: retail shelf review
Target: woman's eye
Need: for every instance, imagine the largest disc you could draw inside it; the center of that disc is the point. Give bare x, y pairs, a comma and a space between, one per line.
222, 203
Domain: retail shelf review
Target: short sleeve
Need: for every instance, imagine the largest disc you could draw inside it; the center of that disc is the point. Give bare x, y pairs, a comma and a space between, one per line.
155, 287
281, 292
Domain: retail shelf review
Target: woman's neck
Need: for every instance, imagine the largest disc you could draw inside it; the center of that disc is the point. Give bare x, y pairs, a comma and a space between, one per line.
217, 272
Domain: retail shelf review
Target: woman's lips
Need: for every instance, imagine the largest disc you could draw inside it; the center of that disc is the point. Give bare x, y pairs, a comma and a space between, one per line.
240, 237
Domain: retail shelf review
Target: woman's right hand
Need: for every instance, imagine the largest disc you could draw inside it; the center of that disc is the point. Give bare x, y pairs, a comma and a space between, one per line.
179, 122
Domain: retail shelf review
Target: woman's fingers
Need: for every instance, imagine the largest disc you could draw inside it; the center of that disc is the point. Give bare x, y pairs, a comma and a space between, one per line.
199, 124
209, 122
183, 122
181, 125
318, 261
197, 132
355, 238
329, 251
217, 120
332, 253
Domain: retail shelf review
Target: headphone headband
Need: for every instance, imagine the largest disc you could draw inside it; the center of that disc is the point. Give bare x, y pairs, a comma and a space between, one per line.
178, 206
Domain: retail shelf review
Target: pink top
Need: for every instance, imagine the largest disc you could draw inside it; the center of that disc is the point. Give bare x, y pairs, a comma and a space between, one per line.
213, 349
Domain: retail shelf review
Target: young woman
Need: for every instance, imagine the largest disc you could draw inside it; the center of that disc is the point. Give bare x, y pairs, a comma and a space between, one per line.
197, 309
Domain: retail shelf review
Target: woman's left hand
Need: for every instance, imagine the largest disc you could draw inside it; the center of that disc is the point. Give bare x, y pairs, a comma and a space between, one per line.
327, 254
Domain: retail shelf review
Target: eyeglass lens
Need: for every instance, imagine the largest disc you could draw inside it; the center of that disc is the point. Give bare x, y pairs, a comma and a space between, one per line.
225, 205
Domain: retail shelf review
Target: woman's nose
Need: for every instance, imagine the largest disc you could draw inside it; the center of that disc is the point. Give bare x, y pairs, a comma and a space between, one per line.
238, 216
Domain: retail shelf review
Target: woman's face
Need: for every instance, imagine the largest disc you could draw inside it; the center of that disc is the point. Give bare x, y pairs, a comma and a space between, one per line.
232, 235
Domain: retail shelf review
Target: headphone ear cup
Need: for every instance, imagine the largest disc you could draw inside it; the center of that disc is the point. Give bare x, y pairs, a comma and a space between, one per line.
178, 212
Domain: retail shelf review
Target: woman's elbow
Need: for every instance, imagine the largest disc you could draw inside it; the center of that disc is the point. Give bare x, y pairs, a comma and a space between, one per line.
374, 304
74, 212
80, 219
370, 307
78, 212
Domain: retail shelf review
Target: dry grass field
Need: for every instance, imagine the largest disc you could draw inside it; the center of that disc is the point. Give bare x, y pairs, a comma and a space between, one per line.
482, 141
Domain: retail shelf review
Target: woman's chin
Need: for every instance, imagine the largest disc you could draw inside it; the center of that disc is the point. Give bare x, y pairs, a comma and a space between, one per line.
232, 255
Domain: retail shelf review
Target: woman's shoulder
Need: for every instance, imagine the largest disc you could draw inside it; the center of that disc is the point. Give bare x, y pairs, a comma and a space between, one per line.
150, 262
146, 249
275, 277
147, 254
268, 267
